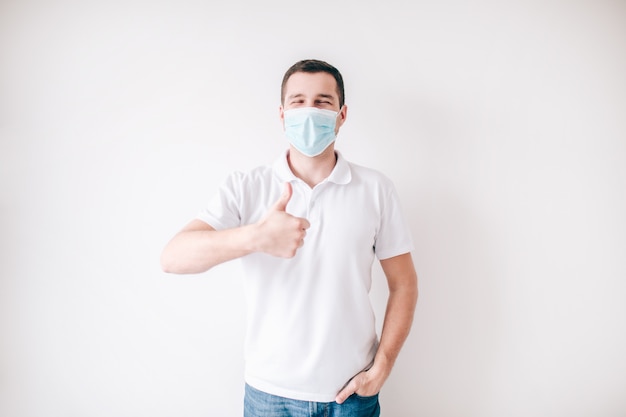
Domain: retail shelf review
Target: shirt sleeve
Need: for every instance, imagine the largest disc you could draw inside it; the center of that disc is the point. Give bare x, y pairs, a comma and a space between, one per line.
223, 210
393, 237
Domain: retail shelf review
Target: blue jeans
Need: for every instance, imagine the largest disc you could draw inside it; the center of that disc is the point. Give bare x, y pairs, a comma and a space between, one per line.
260, 404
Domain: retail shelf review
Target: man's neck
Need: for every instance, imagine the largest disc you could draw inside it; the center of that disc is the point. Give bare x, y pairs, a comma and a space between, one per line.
312, 170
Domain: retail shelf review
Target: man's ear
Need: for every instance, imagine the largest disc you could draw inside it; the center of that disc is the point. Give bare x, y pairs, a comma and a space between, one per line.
343, 114
281, 116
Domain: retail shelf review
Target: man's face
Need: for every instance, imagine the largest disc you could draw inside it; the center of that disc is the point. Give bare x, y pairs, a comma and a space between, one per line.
318, 89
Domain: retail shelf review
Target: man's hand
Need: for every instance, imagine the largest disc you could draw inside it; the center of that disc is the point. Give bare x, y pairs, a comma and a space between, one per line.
365, 384
280, 233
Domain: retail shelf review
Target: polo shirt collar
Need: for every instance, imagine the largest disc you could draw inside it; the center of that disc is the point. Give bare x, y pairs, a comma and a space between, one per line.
340, 174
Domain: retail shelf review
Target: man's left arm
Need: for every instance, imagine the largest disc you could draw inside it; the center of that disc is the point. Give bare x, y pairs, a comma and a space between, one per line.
402, 281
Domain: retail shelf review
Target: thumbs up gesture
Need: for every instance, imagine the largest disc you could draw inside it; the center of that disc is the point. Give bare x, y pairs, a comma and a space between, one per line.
280, 233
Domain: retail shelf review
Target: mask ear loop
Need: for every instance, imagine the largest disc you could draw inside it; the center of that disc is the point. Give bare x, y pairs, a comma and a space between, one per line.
339, 112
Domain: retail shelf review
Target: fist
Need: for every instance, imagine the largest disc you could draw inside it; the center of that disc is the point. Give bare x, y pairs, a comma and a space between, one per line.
280, 233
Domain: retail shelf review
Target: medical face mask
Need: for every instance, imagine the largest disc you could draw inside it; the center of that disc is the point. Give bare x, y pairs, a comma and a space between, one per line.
309, 129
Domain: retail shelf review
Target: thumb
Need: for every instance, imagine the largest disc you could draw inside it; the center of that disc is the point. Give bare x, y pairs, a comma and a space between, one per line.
282, 202
347, 391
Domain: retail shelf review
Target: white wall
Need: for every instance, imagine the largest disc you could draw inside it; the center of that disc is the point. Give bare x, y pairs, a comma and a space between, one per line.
502, 126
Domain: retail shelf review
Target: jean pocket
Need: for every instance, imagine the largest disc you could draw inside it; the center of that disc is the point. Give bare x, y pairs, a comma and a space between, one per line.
359, 405
366, 397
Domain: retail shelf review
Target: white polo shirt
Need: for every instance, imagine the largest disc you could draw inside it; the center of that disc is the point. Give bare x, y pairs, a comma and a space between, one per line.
310, 323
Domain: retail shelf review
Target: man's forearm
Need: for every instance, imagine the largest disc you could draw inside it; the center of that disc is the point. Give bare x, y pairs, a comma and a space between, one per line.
396, 328
196, 250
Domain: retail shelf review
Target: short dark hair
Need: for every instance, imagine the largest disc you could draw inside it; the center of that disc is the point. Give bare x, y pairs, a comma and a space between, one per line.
313, 66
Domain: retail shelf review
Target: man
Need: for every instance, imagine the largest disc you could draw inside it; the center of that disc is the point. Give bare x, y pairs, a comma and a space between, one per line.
307, 230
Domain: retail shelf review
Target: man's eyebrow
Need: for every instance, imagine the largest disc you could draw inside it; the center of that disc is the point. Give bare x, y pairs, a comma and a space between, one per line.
300, 95
328, 96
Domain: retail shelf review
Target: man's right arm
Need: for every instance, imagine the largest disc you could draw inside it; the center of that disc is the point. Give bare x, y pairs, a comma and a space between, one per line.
198, 247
